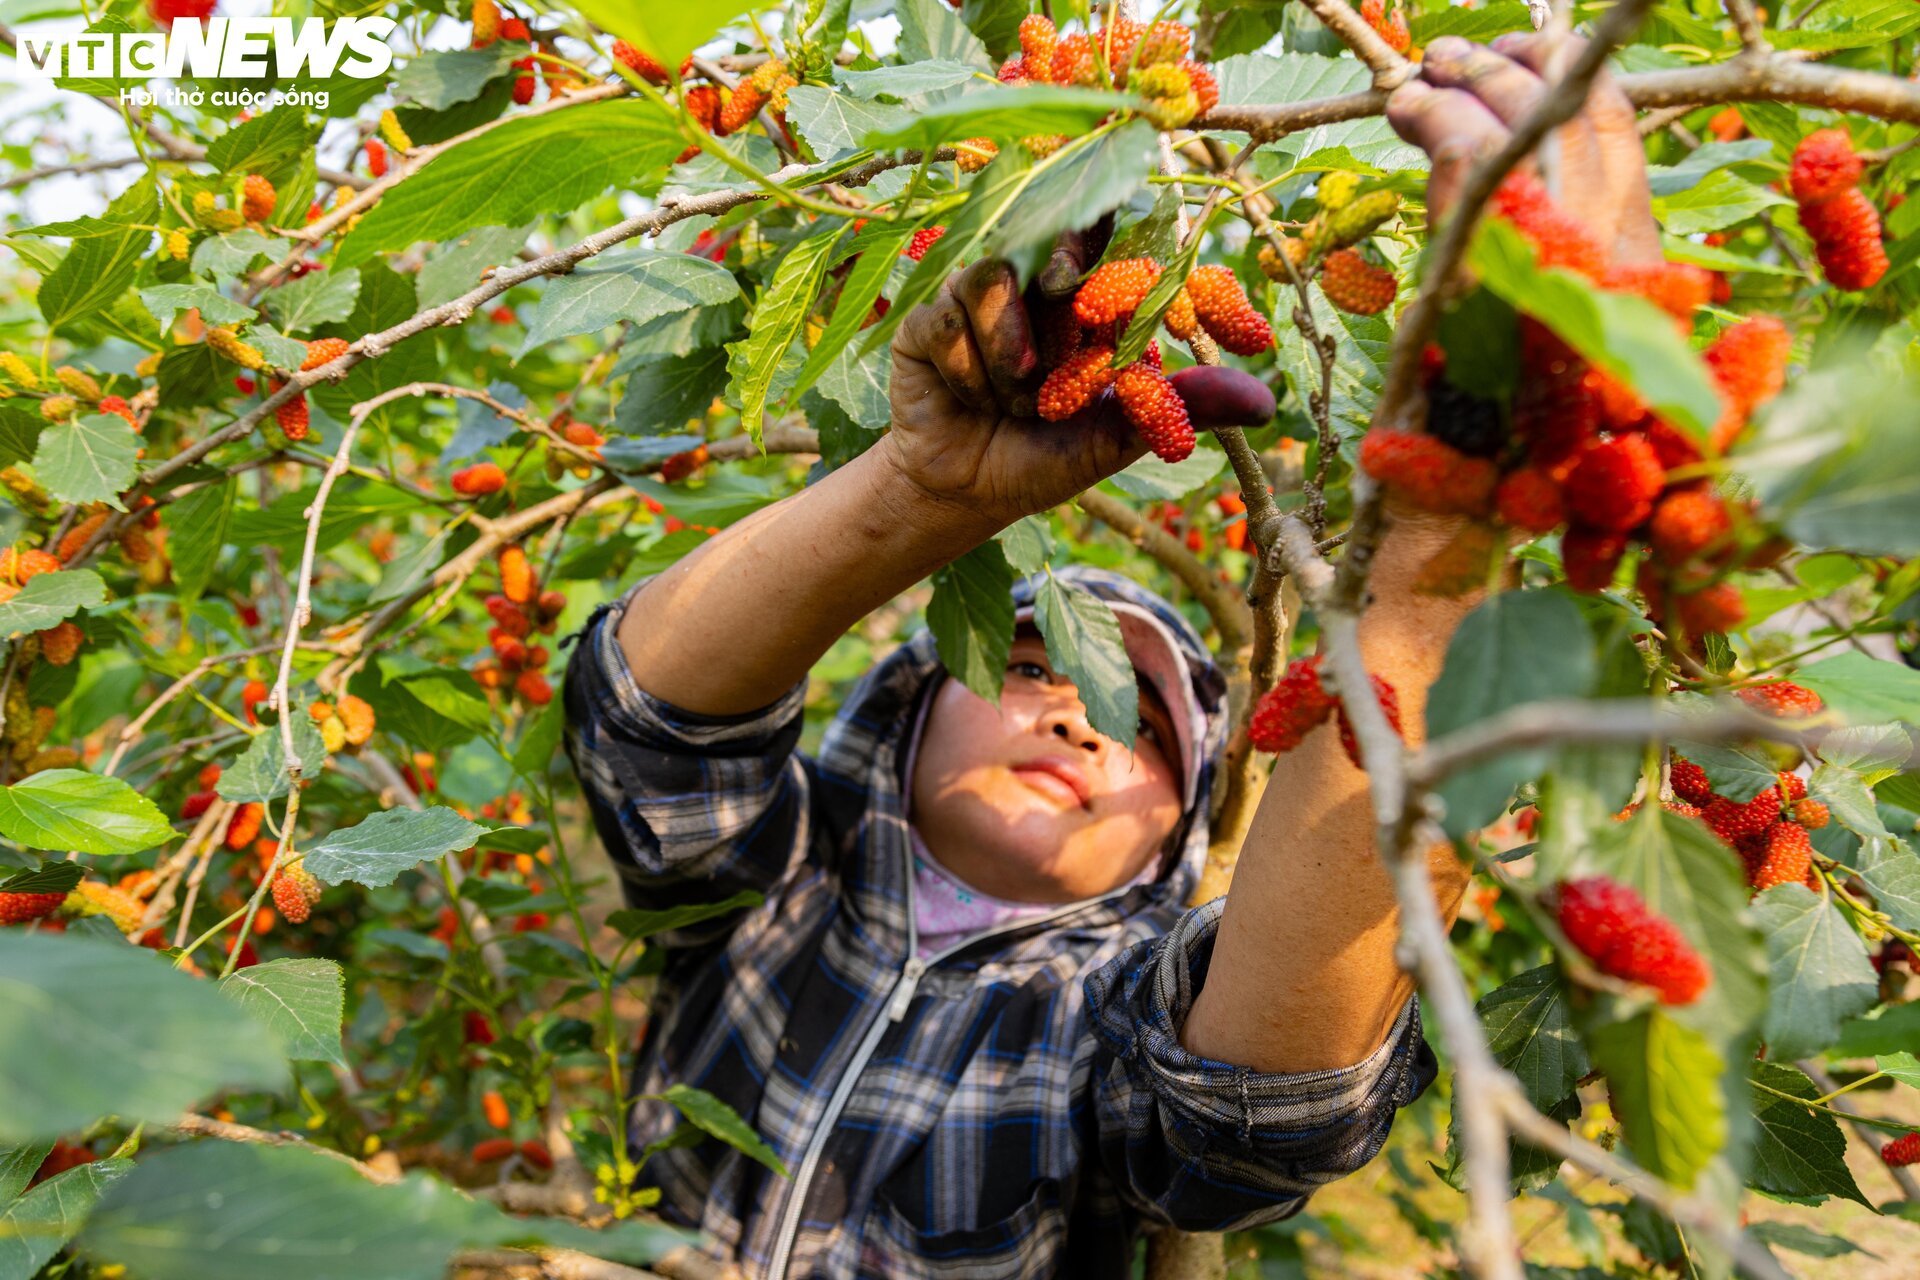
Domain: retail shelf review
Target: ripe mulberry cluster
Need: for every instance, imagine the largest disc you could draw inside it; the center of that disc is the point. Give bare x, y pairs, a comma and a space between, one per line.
1151, 60
1613, 927
519, 609
1299, 703
1077, 345
1841, 219
1575, 450
1769, 833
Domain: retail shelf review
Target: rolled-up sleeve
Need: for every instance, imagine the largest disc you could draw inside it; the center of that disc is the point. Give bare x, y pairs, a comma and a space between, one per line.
1208, 1146
692, 808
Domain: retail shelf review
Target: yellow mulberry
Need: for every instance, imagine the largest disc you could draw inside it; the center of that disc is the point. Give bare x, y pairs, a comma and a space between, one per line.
486, 23
94, 898
226, 220
18, 371
228, 343
334, 734
390, 130
149, 364
52, 758
81, 383
204, 203
58, 408
178, 246
357, 717
974, 154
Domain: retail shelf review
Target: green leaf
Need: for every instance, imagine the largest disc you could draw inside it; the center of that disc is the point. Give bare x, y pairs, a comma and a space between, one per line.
17, 1167
724, 497
971, 617
263, 144
88, 459
231, 252
631, 284
301, 1002
1663, 1080
859, 385
1002, 114
261, 771
381, 847
1028, 544
778, 315
1801, 1239
549, 163
1627, 336
317, 298
1891, 869
51, 876
1257, 78
1864, 690
455, 266
930, 30
196, 534
1738, 773
310, 1215
1517, 647
1480, 24
95, 271
539, 738
713, 1117
70, 809
1084, 643
666, 393
1154, 480
833, 122
439, 78
857, 294
1820, 974
907, 81
667, 31
50, 597
1903, 1067
90, 1028
1895, 1030
1716, 201
40, 1223
166, 301
19, 434
1836, 462
1874, 751
1796, 1152
1531, 1035
633, 923
1071, 188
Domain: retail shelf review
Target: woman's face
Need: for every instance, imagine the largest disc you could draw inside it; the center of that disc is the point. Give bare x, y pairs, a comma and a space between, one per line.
1026, 802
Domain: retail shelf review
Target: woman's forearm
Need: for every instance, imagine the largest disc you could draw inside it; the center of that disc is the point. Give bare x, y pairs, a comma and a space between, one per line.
1303, 974
734, 624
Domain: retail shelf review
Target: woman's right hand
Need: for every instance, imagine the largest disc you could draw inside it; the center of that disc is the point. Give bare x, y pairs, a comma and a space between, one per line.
966, 373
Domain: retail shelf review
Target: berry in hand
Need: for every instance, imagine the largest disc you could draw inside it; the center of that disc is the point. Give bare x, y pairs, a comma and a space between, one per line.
1114, 290
1074, 384
1156, 411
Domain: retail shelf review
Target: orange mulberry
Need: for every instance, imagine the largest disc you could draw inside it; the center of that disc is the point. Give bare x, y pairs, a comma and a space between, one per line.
1846, 238
1613, 926
1072, 386
486, 23
639, 62
60, 643
1114, 290
1206, 90
1613, 483
292, 417
1073, 62
1824, 165
1037, 40
295, 893
1559, 238
1353, 284
1156, 411
257, 198
533, 688
244, 826
479, 480
1390, 27
1782, 699
1528, 498
1427, 472
516, 574
1226, 313
323, 351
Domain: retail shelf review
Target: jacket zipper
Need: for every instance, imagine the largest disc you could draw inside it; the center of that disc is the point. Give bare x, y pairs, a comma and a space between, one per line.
898, 1001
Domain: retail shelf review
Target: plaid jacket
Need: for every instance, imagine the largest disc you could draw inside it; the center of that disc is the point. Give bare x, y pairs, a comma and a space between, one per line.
1018, 1106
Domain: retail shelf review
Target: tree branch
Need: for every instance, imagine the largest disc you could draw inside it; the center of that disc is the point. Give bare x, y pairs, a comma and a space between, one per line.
1231, 617
1390, 70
